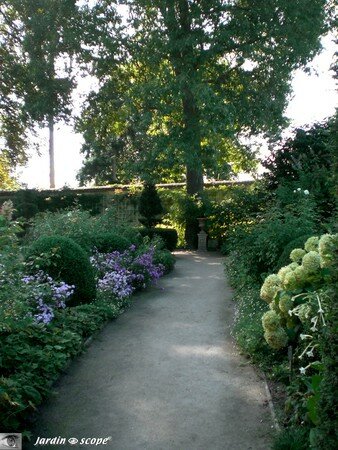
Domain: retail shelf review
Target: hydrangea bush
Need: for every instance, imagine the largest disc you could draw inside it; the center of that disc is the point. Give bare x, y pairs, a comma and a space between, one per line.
294, 294
303, 316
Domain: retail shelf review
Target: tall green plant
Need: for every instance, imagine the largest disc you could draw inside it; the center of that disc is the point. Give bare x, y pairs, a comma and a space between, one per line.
150, 206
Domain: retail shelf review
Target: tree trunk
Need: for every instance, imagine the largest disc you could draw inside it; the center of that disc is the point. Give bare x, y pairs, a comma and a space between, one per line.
51, 154
194, 169
178, 19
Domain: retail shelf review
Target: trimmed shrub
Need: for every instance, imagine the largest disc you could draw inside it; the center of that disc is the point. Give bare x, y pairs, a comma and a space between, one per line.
110, 242
165, 258
65, 260
150, 206
104, 242
168, 235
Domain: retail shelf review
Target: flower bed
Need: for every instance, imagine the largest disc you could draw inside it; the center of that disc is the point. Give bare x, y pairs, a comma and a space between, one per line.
40, 333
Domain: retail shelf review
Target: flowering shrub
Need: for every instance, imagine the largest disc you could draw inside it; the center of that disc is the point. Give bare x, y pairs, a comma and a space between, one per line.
301, 315
45, 295
120, 274
294, 292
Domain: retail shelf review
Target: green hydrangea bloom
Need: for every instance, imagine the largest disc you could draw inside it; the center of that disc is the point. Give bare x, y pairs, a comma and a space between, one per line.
311, 245
285, 303
276, 339
291, 282
270, 287
301, 275
304, 312
311, 262
293, 266
270, 321
297, 254
327, 247
282, 273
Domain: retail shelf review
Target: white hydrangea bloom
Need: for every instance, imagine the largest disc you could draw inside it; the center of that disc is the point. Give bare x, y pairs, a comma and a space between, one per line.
311, 262
312, 244
297, 254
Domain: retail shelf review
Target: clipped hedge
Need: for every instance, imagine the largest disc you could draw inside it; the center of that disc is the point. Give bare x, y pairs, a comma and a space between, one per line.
67, 261
168, 235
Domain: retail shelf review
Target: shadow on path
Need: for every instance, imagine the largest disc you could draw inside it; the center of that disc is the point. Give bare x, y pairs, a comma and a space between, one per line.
166, 375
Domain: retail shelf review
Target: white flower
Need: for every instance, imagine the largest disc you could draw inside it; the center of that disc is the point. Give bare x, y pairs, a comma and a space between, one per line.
294, 191
320, 311
306, 192
310, 353
314, 328
302, 370
298, 189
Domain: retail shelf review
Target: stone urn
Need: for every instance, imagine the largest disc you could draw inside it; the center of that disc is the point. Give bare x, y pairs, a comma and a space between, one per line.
202, 235
201, 222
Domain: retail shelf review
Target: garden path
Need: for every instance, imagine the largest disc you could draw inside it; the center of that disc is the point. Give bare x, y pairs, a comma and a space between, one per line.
166, 375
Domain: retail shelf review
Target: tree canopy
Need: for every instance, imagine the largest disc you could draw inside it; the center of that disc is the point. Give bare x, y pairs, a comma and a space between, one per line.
180, 80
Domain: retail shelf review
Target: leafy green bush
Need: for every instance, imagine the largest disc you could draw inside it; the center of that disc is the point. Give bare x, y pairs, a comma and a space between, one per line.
165, 258
103, 242
262, 241
32, 357
168, 235
74, 222
306, 160
83, 228
284, 258
66, 261
241, 207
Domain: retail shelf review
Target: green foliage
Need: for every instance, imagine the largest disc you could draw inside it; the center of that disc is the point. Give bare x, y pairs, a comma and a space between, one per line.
177, 102
7, 180
292, 439
165, 258
106, 243
284, 258
302, 306
33, 356
150, 206
306, 160
68, 263
29, 202
240, 208
168, 235
262, 241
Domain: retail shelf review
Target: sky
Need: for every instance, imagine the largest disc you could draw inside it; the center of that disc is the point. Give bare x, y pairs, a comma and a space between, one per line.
314, 98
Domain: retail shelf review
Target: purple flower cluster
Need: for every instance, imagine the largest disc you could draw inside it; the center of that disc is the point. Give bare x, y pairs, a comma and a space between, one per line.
46, 295
120, 274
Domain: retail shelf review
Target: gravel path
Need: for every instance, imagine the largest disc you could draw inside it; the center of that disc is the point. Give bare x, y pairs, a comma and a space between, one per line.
165, 376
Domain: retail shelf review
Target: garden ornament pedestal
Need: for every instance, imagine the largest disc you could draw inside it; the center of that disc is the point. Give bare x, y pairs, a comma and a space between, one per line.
202, 235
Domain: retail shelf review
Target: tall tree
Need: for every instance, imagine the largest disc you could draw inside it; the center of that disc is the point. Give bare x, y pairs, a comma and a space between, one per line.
202, 71
46, 38
13, 120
